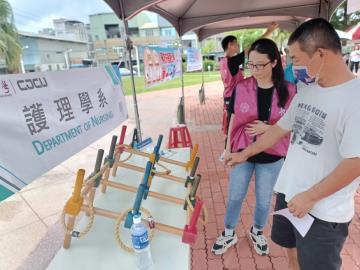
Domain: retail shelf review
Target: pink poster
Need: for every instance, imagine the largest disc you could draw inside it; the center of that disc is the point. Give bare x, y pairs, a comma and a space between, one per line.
161, 65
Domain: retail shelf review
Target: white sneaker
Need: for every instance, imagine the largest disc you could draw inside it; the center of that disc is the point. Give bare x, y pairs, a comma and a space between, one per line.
223, 242
260, 242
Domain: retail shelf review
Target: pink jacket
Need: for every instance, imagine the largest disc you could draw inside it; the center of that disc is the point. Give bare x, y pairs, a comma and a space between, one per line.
246, 111
229, 81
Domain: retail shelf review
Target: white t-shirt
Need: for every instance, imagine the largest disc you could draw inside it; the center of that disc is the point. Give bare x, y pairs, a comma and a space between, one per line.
325, 124
355, 56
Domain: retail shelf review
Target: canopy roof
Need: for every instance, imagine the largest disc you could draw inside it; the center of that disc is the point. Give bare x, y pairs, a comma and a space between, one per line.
354, 32
344, 35
207, 17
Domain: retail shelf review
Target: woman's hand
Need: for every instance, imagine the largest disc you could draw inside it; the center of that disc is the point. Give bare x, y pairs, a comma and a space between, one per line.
235, 158
227, 155
256, 127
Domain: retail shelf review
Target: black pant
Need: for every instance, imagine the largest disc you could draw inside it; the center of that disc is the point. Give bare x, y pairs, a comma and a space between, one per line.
320, 248
354, 65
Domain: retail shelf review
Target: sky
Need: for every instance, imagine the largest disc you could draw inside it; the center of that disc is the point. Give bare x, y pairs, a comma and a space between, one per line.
32, 16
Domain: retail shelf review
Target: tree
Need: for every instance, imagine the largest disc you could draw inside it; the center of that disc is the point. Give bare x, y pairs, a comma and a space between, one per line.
342, 21
246, 37
10, 48
281, 37
208, 47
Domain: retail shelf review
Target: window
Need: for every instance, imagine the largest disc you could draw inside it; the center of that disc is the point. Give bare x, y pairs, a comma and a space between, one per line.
167, 32
112, 31
149, 32
134, 31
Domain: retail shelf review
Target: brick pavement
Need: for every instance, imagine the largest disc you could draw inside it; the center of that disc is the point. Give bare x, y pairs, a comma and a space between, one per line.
203, 122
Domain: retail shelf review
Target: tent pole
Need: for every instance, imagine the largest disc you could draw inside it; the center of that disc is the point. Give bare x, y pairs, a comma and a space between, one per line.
202, 88
202, 68
182, 81
129, 47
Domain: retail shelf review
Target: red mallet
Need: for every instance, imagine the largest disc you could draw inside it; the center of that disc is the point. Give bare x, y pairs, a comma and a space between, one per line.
121, 140
190, 231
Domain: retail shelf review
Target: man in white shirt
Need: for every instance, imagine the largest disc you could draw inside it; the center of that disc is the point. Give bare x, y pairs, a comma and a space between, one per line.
355, 59
322, 168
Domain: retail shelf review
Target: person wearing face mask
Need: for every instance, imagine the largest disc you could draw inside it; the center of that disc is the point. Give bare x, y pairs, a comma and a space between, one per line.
230, 72
321, 172
299, 76
259, 102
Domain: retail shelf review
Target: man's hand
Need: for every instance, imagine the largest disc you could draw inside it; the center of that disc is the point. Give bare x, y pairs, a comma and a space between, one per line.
256, 127
235, 158
272, 27
301, 204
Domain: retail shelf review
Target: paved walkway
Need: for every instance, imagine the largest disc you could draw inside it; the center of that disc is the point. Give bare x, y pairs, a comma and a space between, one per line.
203, 121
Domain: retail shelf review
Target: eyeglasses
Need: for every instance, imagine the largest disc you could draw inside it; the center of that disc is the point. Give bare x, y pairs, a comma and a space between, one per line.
257, 66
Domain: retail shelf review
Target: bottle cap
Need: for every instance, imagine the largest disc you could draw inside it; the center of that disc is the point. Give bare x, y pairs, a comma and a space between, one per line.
137, 218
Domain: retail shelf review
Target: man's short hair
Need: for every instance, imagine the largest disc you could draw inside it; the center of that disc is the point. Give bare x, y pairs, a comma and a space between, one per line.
225, 42
314, 34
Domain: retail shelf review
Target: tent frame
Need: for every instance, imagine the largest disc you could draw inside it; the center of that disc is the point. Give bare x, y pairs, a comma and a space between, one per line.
197, 24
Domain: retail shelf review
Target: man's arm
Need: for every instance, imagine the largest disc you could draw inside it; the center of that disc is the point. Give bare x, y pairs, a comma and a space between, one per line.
346, 172
235, 61
268, 139
271, 28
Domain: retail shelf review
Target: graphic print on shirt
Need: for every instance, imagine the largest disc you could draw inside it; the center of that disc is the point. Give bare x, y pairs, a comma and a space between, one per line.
282, 111
244, 107
308, 128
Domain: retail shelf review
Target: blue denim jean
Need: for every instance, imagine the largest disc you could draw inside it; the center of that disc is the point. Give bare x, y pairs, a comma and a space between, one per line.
265, 179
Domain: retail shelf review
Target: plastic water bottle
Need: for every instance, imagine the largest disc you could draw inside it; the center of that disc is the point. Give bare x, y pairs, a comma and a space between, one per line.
140, 241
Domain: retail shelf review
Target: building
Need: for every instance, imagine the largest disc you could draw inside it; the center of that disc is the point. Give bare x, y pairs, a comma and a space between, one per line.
47, 32
145, 29
70, 29
44, 53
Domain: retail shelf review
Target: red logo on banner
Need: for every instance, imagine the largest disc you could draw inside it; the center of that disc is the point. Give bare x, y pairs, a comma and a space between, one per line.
167, 57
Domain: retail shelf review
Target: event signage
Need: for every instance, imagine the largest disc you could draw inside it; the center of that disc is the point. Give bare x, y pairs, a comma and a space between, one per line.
47, 117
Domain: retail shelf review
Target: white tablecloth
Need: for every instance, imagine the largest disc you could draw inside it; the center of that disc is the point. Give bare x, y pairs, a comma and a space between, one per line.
99, 251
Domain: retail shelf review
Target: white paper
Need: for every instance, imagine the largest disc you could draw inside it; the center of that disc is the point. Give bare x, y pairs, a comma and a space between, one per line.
302, 225
166, 153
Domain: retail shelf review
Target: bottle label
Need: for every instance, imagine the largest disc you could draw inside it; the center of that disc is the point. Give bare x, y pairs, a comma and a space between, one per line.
140, 241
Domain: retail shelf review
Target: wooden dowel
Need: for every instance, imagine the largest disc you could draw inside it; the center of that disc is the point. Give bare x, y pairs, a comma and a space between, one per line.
167, 160
140, 169
116, 160
153, 194
115, 215
70, 227
169, 229
91, 198
86, 190
102, 212
105, 180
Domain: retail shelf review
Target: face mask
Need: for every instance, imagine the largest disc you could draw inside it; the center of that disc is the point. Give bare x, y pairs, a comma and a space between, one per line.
302, 74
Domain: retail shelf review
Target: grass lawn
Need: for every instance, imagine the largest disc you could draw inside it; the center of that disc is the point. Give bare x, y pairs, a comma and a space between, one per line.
189, 79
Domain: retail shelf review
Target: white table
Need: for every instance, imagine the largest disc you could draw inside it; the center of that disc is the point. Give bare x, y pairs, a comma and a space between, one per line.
99, 251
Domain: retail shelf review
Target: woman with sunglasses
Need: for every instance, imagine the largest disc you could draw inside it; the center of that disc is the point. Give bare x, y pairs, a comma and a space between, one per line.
260, 101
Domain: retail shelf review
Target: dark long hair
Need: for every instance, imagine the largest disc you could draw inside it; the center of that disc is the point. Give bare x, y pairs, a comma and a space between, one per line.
268, 47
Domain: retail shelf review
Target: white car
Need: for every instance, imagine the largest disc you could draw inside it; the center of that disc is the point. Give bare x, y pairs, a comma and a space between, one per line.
126, 72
